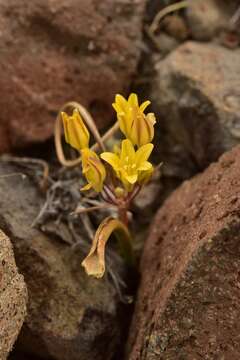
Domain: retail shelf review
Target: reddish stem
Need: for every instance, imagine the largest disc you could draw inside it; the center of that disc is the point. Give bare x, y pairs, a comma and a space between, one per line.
122, 213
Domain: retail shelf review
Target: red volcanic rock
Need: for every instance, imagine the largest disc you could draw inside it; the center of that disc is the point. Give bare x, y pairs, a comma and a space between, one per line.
188, 302
13, 298
53, 51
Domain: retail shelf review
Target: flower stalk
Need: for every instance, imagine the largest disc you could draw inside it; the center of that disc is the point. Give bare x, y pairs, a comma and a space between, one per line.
117, 175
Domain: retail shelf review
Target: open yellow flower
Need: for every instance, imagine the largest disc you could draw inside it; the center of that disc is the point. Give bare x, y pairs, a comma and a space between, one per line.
93, 170
76, 133
135, 125
130, 166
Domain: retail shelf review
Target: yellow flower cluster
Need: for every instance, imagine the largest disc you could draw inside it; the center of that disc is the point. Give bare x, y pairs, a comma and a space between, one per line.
130, 165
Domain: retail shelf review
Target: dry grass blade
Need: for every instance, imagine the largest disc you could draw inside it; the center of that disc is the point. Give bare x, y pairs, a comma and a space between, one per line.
23, 176
82, 210
235, 18
167, 10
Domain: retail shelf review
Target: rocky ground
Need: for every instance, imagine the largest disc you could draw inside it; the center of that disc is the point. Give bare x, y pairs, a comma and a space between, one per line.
188, 304
182, 303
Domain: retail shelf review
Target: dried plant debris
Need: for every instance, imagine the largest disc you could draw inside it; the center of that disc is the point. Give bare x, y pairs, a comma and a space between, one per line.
56, 216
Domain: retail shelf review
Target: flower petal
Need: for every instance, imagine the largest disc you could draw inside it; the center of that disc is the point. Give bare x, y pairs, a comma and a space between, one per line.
86, 187
133, 100
122, 119
144, 166
144, 176
132, 178
65, 126
112, 159
151, 118
144, 105
143, 153
121, 103
127, 152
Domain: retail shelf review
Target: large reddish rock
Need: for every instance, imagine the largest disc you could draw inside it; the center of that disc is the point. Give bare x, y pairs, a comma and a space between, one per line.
13, 298
188, 301
53, 51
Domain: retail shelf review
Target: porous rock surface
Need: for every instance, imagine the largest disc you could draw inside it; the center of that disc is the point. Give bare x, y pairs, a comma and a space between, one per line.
207, 18
54, 51
13, 298
70, 315
195, 95
188, 301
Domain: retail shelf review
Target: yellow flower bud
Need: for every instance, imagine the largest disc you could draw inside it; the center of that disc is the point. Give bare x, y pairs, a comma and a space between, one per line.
93, 170
142, 128
135, 125
119, 192
76, 133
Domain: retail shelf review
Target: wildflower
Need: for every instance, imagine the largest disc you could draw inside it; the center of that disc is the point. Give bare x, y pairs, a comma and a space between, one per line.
93, 170
130, 166
76, 133
127, 165
135, 125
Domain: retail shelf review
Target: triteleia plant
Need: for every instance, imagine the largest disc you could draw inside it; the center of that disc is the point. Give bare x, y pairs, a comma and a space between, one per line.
116, 175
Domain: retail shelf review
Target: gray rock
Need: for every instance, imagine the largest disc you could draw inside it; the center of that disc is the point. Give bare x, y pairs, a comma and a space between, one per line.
165, 43
206, 18
195, 95
13, 298
70, 315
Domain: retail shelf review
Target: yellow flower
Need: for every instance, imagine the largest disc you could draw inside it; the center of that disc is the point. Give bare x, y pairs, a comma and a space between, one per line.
76, 133
135, 125
130, 166
93, 170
